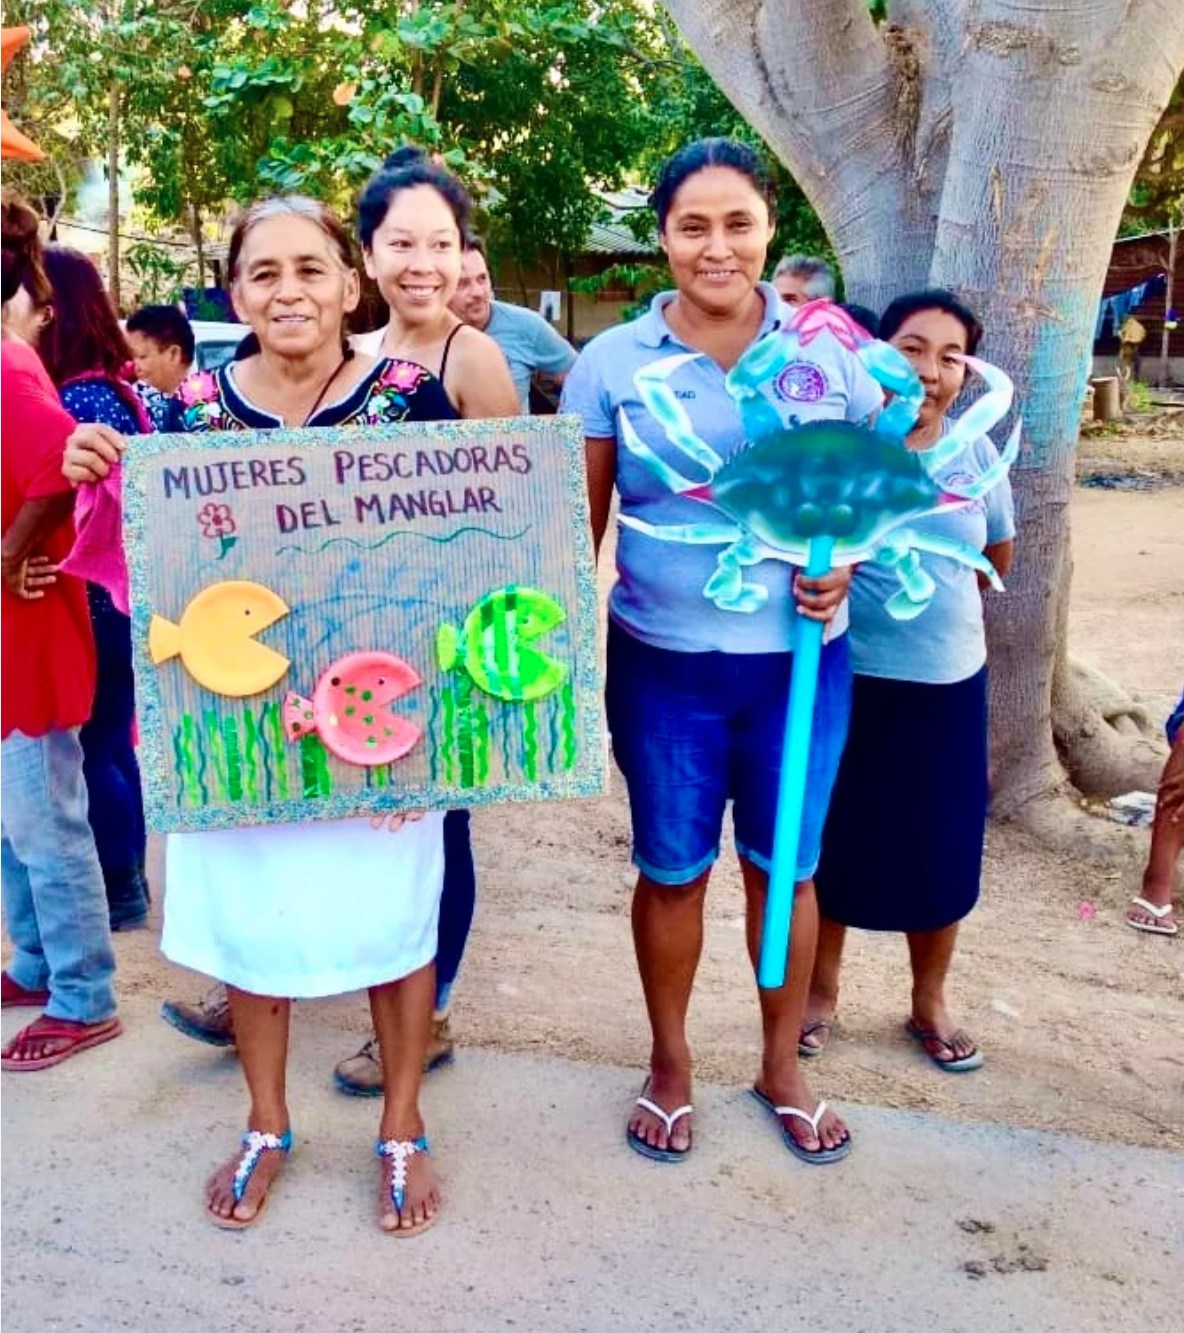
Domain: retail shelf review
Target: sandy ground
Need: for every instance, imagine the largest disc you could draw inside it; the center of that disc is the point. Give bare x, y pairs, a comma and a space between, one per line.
1008, 1199
1142, 452
550, 1223
1082, 1019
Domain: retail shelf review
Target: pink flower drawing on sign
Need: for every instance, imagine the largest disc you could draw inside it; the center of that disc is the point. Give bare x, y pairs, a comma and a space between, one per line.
217, 523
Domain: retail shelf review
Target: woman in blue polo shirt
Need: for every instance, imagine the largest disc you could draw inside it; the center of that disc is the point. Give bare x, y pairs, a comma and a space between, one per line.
919, 720
696, 694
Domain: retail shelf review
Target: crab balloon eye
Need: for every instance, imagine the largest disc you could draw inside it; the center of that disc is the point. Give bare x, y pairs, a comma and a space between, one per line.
810, 519
842, 520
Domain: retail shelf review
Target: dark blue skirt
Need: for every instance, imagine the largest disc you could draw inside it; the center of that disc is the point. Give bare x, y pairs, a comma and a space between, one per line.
903, 844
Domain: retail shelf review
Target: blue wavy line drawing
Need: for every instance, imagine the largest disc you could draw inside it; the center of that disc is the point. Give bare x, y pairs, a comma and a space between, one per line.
403, 532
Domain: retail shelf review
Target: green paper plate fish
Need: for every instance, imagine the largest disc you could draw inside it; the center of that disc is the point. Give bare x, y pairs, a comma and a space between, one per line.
496, 645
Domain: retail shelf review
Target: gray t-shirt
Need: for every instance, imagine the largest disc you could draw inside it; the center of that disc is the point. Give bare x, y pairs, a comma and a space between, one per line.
659, 596
529, 343
946, 642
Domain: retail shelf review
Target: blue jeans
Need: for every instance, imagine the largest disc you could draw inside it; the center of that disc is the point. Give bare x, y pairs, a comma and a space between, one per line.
692, 731
457, 901
116, 808
55, 907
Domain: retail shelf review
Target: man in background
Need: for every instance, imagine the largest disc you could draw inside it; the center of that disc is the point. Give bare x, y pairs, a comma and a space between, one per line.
802, 278
527, 340
162, 346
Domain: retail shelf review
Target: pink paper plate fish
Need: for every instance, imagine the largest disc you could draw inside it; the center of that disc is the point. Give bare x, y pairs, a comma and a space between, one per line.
350, 709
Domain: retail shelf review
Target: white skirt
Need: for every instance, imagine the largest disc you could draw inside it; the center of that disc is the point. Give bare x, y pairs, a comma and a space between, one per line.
304, 910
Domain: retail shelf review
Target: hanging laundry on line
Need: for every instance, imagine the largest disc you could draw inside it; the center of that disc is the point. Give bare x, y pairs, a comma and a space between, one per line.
1114, 309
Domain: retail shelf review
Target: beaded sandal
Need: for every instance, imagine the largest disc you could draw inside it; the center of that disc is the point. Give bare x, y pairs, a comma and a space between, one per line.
255, 1144
399, 1152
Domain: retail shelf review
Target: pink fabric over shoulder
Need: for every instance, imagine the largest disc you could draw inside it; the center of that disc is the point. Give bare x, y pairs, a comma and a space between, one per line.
97, 554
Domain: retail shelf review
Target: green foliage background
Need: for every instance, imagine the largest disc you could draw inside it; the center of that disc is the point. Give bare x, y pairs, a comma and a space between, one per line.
540, 104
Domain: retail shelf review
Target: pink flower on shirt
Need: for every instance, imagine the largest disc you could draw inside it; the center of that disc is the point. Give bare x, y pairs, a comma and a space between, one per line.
402, 375
199, 388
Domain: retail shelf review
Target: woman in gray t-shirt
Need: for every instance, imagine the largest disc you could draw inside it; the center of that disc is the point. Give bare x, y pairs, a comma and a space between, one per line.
912, 862
697, 690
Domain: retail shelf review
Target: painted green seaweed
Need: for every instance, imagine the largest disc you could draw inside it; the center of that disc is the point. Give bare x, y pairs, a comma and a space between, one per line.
272, 726
567, 706
190, 763
475, 740
530, 741
216, 751
472, 735
234, 760
250, 758
314, 768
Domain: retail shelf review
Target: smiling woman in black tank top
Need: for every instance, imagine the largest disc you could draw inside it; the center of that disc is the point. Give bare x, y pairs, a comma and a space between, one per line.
412, 216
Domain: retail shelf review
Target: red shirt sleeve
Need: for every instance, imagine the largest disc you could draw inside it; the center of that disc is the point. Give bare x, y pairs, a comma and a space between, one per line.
36, 425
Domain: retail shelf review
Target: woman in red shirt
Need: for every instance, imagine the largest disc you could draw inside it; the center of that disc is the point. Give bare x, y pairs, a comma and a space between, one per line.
55, 906
84, 351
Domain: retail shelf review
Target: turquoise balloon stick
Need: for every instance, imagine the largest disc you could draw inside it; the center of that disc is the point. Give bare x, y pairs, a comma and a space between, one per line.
791, 793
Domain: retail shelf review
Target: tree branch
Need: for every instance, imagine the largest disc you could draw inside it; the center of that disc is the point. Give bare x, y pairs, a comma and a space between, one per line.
936, 34
816, 65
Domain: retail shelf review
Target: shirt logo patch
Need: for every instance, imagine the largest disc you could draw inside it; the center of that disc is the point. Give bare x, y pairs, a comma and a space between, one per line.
956, 482
800, 382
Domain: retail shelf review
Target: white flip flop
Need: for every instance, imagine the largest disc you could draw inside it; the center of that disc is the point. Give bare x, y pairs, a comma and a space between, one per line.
1171, 928
669, 1119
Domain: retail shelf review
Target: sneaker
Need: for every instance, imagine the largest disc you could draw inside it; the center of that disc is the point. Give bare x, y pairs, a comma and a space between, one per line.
208, 1020
127, 898
361, 1075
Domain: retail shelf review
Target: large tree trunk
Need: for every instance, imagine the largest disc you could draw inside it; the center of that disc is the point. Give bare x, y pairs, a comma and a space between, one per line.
1045, 143
989, 148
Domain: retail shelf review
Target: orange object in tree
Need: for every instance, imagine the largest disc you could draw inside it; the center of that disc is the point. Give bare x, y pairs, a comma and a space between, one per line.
12, 142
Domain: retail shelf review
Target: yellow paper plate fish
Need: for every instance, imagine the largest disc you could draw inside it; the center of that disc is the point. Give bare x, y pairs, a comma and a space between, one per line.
215, 639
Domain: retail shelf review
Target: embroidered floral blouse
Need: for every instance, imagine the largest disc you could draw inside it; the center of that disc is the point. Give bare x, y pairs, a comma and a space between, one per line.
392, 392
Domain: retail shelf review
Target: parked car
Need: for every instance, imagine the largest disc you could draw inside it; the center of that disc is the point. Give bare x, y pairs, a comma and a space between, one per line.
216, 342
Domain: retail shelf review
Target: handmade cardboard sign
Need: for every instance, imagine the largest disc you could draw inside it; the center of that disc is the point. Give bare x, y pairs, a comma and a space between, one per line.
335, 622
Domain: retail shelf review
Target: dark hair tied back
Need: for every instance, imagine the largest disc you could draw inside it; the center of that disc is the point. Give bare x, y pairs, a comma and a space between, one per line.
405, 169
932, 298
701, 154
22, 255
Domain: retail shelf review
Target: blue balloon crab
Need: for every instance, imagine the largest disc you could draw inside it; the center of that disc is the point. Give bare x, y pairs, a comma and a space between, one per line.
847, 490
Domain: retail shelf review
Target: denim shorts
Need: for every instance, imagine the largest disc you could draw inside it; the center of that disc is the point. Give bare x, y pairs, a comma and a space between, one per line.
692, 731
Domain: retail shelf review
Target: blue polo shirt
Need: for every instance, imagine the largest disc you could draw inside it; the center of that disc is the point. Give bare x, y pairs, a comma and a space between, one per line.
529, 343
946, 643
658, 596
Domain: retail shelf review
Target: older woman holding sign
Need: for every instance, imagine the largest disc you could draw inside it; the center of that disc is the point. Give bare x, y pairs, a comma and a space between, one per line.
412, 216
266, 909
696, 692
